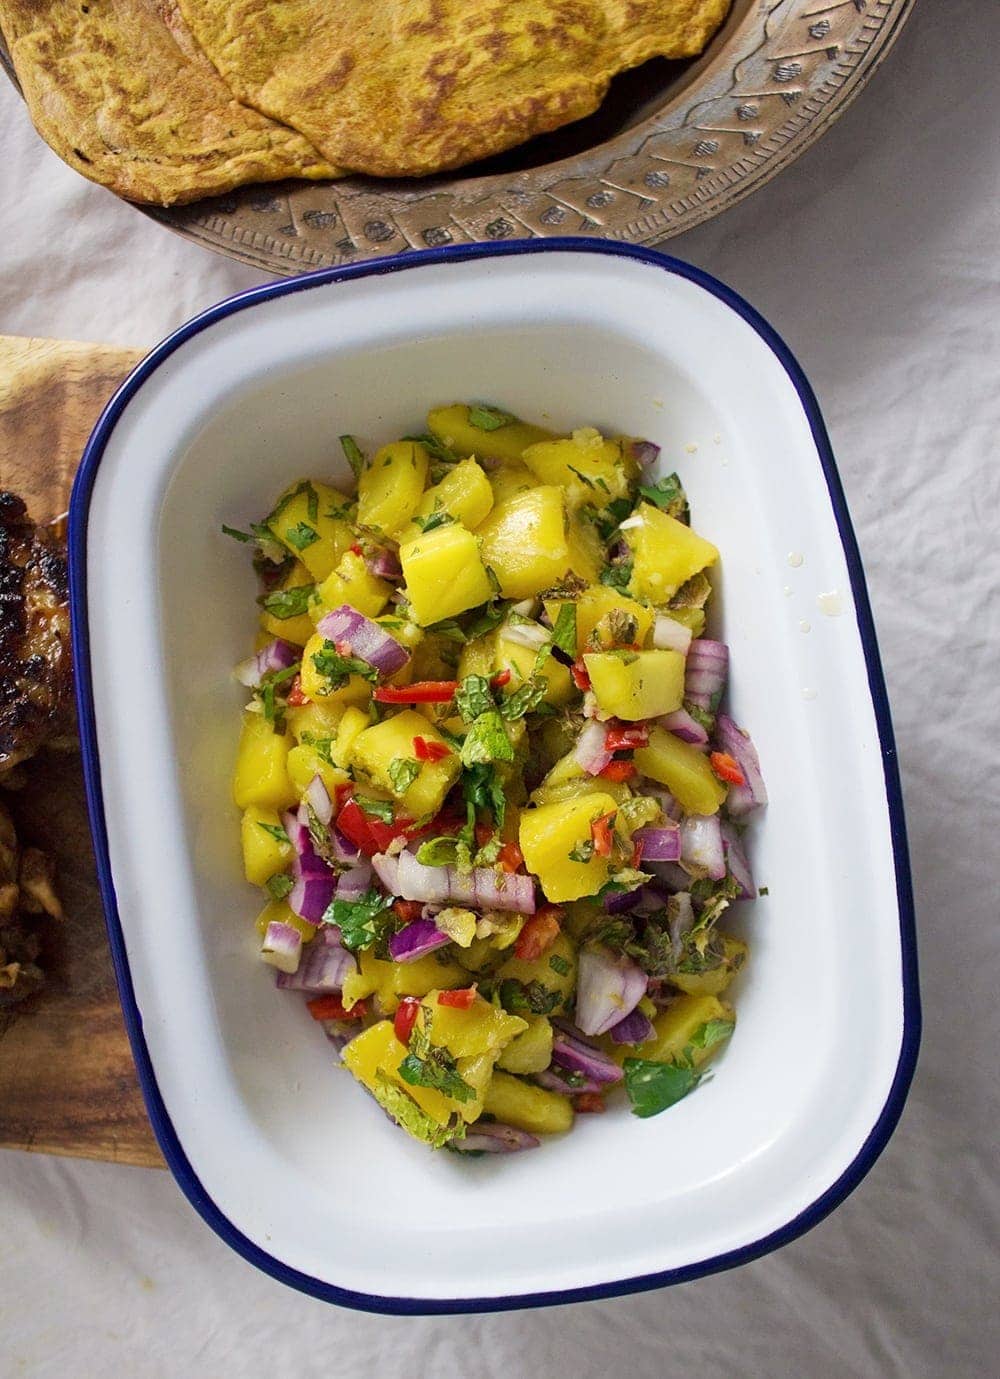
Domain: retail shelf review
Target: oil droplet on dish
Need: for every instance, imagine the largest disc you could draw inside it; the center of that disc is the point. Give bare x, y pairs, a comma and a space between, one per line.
795, 559
787, 591
716, 440
808, 694
805, 626
691, 449
832, 603
658, 402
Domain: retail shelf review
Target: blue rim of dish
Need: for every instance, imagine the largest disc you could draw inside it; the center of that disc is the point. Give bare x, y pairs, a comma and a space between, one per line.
167, 1137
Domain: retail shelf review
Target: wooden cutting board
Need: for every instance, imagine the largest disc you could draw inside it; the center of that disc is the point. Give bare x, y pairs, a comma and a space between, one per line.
67, 1081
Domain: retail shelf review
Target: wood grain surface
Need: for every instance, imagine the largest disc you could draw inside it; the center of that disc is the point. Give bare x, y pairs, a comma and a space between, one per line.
67, 1080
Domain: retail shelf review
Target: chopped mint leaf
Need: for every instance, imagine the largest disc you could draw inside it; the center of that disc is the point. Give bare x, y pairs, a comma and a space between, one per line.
564, 630
473, 697
668, 495
403, 771
438, 518
406, 1113
301, 535
287, 603
437, 449
353, 455
485, 418
490, 618
559, 964
712, 1032
482, 788
763, 890
274, 830
377, 809
336, 670
524, 700
312, 501
431, 1065
486, 739
617, 576
361, 921
534, 998
279, 886
654, 1087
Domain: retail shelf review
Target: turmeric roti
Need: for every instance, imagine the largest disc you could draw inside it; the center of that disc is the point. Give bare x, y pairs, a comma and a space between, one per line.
122, 93
405, 88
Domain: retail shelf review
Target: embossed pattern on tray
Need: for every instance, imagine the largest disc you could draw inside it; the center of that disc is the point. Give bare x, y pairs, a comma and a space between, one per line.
774, 78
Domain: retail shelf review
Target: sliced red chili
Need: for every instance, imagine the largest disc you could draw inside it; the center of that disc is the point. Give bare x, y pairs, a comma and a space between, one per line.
331, 1007
461, 999
626, 739
617, 770
600, 831
368, 833
408, 910
510, 857
727, 768
430, 750
538, 934
581, 677
420, 692
405, 1018
590, 1102
501, 678
295, 696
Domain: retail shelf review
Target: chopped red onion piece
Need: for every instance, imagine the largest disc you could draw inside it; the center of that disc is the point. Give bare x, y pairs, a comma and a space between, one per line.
752, 795
353, 883
311, 895
343, 849
554, 1081
532, 635
618, 902
701, 845
492, 1137
659, 844
483, 887
634, 1029
384, 564
671, 635
680, 922
318, 797
580, 1057
737, 862
323, 967
644, 452
705, 675
670, 876
671, 807
416, 940
276, 655
682, 725
609, 986
282, 946
591, 751
307, 861
367, 640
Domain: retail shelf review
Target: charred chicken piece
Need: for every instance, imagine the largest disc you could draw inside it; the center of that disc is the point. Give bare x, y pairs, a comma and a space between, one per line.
26, 890
35, 664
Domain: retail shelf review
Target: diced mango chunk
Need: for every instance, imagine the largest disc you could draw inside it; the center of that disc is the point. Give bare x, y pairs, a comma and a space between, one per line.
388, 981
520, 661
305, 761
531, 1050
676, 1026
482, 1028
453, 427
264, 855
378, 749
261, 775
280, 912
555, 970
309, 521
353, 583
686, 772
714, 979
313, 721
508, 479
297, 627
391, 485
551, 832
464, 494
444, 573
528, 1107
604, 617
317, 684
591, 469
636, 684
666, 553
524, 542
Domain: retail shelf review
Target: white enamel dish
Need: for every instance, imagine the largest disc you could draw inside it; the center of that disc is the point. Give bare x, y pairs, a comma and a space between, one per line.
281, 1152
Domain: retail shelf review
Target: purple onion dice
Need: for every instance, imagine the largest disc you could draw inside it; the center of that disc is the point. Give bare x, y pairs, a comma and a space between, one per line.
366, 640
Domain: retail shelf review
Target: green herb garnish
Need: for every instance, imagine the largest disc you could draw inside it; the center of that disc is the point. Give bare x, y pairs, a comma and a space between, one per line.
487, 740
376, 809
279, 886
473, 697
668, 495
361, 922
353, 455
301, 535
287, 603
275, 831
336, 670
654, 1087
617, 576
403, 771
485, 418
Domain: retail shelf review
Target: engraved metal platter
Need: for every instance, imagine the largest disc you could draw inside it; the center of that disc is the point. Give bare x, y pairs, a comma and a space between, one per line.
672, 145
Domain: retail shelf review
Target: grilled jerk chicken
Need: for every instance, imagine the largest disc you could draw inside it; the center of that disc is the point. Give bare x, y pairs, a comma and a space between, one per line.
35, 668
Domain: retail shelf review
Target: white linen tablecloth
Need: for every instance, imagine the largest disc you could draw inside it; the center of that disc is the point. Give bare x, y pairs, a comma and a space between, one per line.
876, 256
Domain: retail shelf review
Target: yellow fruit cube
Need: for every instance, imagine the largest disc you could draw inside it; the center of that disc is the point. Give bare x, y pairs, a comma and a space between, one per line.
482, 1028
319, 685
314, 721
714, 979
464, 494
388, 981
524, 542
508, 479
456, 428
309, 520
676, 1026
530, 1051
478, 657
379, 749
586, 553
290, 618
636, 684
528, 1107
444, 573
590, 468
280, 912
520, 661
666, 553
305, 761
558, 978
604, 616
261, 775
550, 833
391, 485
353, 583
264, 854
686, 772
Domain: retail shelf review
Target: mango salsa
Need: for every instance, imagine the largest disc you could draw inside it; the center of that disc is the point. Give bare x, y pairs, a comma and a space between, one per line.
444, 573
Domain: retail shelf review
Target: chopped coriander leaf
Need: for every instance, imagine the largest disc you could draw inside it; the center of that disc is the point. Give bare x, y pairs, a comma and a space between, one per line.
486, 740
532, 997
448, 627
559, 964
654, 1087
337, 669
712, 1032
362, 921
617, 576
473, 697
353, 455
275, 831
485, 418
763, 890
525, 699
403, 771
668, 495
266, 693
322, 746
301, 535
378, 809
287, 603
279, 886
